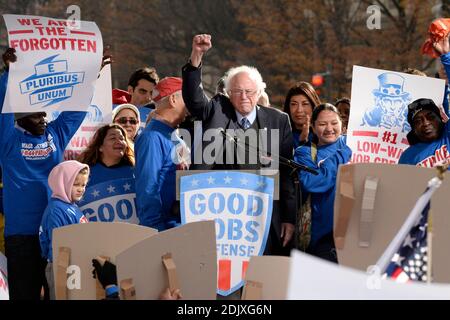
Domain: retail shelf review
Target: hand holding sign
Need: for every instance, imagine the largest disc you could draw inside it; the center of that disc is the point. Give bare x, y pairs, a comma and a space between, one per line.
107, 58
9, 56
442, 46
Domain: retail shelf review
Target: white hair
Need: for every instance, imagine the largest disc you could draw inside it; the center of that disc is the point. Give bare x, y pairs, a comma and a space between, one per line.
252, 72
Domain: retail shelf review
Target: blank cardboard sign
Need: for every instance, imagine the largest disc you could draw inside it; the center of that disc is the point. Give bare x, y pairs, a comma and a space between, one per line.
263, 284
193, 251
373, 201
88, 240
312, 278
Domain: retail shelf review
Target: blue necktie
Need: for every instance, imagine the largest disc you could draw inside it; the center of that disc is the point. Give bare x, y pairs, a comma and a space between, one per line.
245, 124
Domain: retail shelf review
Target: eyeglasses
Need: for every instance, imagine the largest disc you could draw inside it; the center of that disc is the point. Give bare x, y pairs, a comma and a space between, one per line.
124, 120
239, 92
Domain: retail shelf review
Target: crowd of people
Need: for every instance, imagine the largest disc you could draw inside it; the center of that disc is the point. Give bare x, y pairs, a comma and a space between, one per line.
140, 144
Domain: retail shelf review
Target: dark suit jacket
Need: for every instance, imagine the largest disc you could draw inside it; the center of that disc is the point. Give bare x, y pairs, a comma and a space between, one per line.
218, 112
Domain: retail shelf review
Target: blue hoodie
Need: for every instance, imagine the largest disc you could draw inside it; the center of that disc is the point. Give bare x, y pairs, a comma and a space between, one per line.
322, 187
155, 181
61, 209
26, 161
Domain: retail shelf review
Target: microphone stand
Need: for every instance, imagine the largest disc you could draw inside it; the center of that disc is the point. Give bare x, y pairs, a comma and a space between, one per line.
293, 165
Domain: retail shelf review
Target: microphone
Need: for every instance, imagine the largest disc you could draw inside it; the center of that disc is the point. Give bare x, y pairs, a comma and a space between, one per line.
279, 158
227, 136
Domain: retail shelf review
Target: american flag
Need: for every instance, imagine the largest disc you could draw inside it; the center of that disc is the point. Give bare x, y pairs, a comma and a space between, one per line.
410, 261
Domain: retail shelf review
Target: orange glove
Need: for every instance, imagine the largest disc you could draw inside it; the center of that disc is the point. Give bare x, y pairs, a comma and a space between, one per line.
438, 30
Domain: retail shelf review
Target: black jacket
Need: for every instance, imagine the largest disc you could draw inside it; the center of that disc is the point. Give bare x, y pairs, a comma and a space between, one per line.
218, 112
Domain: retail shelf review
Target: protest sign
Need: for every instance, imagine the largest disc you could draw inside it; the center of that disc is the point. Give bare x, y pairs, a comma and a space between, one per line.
87, 241
57, 64
241, 206
194, 268
364, 229
98, 114
111, 201
4, 292
311, 278
378, 123
260, 271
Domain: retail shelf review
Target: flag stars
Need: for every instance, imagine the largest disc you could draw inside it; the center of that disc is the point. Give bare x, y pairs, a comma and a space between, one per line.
408, 241
127, 187
194, 183
399, 260
211, 180
261, 184
111, 189
227, 180
95, 193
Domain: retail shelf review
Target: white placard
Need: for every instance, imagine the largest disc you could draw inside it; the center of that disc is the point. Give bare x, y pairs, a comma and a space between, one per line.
378, 123
57, 64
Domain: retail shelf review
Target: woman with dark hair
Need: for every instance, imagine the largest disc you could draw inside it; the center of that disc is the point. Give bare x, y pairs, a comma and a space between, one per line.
110, 194
325, 153
109, 150
299, 104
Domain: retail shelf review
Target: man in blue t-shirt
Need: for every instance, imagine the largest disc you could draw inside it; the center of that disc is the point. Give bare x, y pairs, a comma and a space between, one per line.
159, 152
429, 135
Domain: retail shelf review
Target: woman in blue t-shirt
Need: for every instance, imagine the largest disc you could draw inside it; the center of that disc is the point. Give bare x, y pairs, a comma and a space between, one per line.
110, 156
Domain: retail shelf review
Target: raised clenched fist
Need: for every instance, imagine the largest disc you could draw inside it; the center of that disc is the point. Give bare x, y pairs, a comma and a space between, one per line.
201, 43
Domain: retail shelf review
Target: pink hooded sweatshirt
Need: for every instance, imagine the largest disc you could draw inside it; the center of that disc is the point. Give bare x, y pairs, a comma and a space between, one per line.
62, 177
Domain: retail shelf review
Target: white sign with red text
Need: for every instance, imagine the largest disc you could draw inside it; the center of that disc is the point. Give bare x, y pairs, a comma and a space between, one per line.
57, 64
4, 292
378, 123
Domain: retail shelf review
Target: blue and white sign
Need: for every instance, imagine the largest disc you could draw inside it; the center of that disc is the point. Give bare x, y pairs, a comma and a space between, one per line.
111, 201
57, 64
51, 82
241, 205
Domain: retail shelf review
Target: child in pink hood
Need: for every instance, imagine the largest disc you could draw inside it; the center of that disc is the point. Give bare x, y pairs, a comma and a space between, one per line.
68, 182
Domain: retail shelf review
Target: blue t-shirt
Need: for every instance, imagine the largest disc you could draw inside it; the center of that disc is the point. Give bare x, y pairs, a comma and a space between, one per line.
57, 214
26, 161
428, 154
101, 173
322, 187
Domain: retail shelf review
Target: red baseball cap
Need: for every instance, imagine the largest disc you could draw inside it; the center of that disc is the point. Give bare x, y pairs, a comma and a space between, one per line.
120, 96
166, 87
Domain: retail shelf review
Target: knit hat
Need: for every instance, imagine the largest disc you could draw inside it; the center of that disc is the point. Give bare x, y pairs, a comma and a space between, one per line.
120, 107
21, 115
413, 109
421, 104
